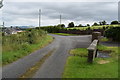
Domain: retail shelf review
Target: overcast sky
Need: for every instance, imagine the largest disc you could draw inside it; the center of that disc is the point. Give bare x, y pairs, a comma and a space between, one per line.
26, 13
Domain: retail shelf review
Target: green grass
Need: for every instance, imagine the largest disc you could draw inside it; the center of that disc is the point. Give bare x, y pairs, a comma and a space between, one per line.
65, 34
77, 67
104, 39
9, 57
106, 48
79, 52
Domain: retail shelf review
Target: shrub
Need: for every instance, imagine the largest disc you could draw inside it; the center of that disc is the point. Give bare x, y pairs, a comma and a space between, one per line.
53, 29
71, 24
20, 41
114, 33
114, 22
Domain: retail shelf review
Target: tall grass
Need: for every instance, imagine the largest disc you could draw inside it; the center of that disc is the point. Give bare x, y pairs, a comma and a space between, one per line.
21, 44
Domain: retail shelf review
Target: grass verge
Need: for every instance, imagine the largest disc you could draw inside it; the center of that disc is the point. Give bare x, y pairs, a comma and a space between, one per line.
77, 67
65, 34
104, 39
79, 52
9, 57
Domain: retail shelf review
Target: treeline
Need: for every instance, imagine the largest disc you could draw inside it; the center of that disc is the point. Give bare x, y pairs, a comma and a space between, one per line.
101, 23
52, 29
58, 29
108, 31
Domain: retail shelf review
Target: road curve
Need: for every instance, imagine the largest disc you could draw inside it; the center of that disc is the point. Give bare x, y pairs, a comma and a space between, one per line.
54, 65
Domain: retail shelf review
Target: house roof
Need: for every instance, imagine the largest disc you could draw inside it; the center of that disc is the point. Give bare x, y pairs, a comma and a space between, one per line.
9, 30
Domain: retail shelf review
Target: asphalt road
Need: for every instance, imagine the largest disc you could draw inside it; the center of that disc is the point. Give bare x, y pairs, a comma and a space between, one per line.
54, 65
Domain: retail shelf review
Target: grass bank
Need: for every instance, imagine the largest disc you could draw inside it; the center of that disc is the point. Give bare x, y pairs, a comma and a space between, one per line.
77, 66
65, 34
104, 39
10, 56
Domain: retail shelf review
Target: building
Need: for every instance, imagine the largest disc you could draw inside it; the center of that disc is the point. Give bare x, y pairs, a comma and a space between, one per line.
11, 30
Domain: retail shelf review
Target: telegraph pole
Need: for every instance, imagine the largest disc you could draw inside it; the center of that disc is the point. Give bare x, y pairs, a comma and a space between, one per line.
39, 17
1, 3
3, 24
60, 19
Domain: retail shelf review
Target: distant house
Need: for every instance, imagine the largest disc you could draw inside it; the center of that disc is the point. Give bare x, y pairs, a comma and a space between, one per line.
11, 30
8, 31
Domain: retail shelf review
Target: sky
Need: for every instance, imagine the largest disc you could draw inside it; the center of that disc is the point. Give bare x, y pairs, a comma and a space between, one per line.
25, 13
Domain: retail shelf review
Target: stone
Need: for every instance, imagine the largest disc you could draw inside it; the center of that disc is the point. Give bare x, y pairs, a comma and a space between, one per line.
96, 35
92, 51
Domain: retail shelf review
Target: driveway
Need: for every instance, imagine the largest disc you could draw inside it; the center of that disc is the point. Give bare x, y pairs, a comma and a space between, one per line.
53, 67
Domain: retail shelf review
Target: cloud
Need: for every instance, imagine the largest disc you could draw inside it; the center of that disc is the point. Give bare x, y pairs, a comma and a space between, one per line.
26, 13
62, 0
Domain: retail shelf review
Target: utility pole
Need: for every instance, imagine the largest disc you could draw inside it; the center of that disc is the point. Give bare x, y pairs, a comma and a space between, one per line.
3, 24
39, 17
1, 3
60, 19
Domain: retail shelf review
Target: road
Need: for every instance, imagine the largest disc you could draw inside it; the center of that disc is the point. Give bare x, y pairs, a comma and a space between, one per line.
53, 67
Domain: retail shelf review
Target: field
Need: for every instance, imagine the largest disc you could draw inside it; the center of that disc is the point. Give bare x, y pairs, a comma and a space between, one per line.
93, 27
77, 66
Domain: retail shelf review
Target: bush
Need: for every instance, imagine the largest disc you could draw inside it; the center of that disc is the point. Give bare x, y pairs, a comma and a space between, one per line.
114, 22
71, 25
114, 33
21, 40
53, 29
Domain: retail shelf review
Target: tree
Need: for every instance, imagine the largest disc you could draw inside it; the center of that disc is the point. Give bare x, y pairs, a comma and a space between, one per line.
80, 25
95, 24
114, 22
88, 25
100, 23
61, 25
71, 24
104, 22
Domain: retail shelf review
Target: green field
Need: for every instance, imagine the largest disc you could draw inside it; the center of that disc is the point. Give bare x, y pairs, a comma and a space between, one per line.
10, 56
94, 27
65, 34
77, 66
